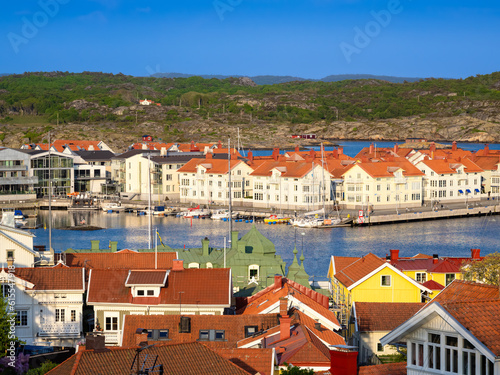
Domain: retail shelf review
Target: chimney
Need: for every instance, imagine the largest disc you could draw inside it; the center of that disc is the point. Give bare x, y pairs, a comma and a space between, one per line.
94, 245
285, 322
343, 362
141, 337
486, 149
209, 156
219, 145
341, 150
250, 157
178, 265
372, 148
435, 258
432, 147
277, 281
396, 148
95, 343
234, 155
283, 306
454, 146
276, 152
297, 148
387, 258
335, 153
204, 244
234, 239
475, 253
394, 255
113, 245
312, 153
317, 326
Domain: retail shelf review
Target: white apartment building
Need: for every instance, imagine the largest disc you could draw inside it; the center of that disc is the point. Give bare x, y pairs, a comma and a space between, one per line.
449, 180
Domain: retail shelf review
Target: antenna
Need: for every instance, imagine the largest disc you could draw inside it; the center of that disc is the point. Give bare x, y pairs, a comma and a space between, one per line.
148, 365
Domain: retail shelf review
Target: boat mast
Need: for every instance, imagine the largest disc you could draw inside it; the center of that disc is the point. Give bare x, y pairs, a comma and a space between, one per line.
323, 178
50, 201
229, 173
150, 213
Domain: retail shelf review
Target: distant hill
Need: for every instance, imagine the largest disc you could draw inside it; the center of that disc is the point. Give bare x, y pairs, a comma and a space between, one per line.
272, 80
5, 74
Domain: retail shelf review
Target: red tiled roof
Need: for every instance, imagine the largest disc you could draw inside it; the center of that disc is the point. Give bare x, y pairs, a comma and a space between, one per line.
75, 144
200, 286
323, 333
53, 278
186, 359
147, 277
233, 325
121, 260
460, 290
254, 361
433, 285
385, 369
342, 262
383, 168
427, 264
481, 319
384, 316
487, 163
359, 269
292, 169
213, 166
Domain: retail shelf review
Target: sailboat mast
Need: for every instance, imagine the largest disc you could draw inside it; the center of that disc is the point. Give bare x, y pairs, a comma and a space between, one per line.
323, 178
50, 200
229, 179
150, 219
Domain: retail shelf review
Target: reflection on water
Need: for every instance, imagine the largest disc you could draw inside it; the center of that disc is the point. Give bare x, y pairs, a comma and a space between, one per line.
444, 237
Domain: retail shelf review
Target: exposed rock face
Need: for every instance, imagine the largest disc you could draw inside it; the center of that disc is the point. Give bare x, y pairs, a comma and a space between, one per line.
81, 104
245, 81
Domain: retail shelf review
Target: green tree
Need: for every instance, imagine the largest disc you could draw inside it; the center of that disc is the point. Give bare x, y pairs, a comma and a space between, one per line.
294, 370
43, 369
486, 270
5, 326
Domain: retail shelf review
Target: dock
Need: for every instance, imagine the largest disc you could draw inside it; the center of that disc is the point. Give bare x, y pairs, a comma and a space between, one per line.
416, 215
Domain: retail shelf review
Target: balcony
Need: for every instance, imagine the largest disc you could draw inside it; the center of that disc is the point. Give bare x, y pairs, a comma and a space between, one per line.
354, 181
112, 337
19, 181
60, 330
13, 167
400, 180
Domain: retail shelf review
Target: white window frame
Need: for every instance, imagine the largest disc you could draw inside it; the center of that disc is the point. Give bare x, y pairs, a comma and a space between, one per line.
381, 281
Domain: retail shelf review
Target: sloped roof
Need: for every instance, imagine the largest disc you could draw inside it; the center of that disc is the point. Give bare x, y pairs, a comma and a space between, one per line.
387, 168
293, 169
480, 318
208, 286
460, 290
384, 316
147, 277
121, 260
385, 369
340, 263
255, 361
187, 359
99, 155
233, 325
257, 242
217, 166
359, 269
488, 163
427, 264
53, 278
433, 285
75, 145
323, 333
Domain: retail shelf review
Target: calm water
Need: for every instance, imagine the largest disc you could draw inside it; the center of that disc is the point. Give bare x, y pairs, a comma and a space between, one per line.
444, 237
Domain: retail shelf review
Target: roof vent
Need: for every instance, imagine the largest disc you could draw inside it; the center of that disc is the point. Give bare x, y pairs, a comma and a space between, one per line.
185, 324
317, 325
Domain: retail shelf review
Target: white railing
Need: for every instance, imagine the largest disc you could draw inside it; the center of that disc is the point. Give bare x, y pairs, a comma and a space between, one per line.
400, 180
112, 337
59, 329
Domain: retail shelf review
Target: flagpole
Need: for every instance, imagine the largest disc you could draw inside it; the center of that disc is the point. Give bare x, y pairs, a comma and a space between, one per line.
156, 249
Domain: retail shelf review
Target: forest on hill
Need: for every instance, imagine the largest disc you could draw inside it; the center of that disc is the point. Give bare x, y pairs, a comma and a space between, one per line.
204, 109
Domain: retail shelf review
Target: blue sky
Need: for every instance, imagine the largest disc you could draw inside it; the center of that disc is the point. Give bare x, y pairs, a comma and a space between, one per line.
310, 39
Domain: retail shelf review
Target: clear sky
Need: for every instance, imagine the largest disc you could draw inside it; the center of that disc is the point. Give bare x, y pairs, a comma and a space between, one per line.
310, 39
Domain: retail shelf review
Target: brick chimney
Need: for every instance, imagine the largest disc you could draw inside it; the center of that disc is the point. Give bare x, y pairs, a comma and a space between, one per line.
396, 148
283, 306
486, 149
234, 155
335, 153
209, 156
340, 150
276, 152
277, 281
394, 255
454, 146
372, 148
312, 153
432, 147
435, 258
285, 323
178, 265
250, 157
343, 362
297, 148
219, 145
475, 253
141, 337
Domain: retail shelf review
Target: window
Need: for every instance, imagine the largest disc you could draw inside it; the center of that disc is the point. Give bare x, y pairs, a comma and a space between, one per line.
385, 280
449, 278
22, 318
212, 335
60, 315
151, 292
140, 292
111, 323
451, 354
204, 334
5, 290
380, 348
10, 254
73, 315
158, 334
421, 277
253, 272
250, 330
434, 351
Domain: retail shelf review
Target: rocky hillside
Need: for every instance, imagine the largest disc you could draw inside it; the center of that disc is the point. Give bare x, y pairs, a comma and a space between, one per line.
106, 107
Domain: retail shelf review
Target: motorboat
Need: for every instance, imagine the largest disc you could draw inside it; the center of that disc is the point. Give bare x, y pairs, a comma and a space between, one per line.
112, 207
222, 215
277, 219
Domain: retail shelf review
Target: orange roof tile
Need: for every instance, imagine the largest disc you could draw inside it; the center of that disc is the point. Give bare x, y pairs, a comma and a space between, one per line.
255, 361
213, 166
327, 335
359, 269
209, 286
187, 359
460, 290
233, 325
487, 163
147, 277
384, 168
342, 262
385, 369
480, 318
53, 278
293, 169
433, 285
384, 316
